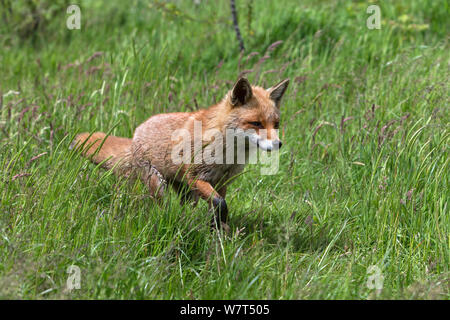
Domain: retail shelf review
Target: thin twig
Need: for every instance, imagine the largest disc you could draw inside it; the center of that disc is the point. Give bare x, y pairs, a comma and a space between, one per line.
236, 25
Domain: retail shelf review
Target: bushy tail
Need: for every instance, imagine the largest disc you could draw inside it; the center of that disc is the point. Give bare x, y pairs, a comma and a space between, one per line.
98, 147
115, 152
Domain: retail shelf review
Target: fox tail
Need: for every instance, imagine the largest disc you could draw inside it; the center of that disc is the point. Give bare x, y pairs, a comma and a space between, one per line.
115, 152
110, 151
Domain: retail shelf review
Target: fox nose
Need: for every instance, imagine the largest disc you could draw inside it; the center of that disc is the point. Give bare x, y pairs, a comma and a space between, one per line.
277, 144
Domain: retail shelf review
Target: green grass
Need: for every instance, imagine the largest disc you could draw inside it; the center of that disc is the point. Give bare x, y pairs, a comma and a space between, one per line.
364, 170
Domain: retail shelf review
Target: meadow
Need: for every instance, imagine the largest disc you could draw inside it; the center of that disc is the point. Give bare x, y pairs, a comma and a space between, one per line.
360, 200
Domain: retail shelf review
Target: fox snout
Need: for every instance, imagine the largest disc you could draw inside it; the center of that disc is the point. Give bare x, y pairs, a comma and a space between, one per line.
262, 142
269, 145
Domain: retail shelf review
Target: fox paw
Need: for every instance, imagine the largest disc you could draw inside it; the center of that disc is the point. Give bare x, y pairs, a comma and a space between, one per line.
220, 211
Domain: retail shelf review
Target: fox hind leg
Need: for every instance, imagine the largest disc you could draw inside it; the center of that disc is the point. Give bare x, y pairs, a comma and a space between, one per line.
154, 180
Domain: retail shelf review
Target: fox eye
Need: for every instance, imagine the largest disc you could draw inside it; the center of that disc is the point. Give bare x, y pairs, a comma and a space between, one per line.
256, 124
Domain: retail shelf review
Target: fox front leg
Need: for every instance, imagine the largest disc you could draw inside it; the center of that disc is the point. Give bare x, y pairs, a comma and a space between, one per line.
215, 200
222, 191
185, 193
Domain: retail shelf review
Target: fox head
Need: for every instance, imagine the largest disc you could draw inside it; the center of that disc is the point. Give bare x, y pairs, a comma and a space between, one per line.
256, 111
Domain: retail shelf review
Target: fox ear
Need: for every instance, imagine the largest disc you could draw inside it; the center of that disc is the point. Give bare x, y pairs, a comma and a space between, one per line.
276, 92
241, 93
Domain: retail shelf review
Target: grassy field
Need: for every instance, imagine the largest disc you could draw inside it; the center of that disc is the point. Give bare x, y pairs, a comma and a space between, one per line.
364, 170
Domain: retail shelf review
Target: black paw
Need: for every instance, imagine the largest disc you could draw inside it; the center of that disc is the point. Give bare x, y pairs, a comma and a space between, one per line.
220, 210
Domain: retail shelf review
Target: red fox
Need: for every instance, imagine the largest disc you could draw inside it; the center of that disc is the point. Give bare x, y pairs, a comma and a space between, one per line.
253, 110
